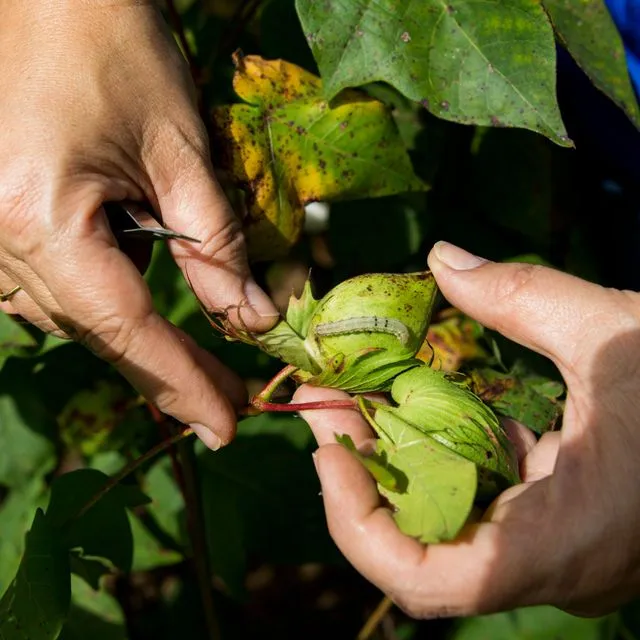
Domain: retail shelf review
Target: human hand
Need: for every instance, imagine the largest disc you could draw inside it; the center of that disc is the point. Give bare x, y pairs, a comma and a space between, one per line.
568, 535
97, 106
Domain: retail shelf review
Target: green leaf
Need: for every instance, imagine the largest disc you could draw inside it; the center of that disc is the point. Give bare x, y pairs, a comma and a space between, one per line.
486, 64
590, 35
441, 406
440, 485
36, 603
104, 530
93, 614
287, 147
91, 570
148, 552
532, 400
167, 503
16, 516
377, 465
283, 342
91, 415
300, 310
14, 339
535, 623
26, 428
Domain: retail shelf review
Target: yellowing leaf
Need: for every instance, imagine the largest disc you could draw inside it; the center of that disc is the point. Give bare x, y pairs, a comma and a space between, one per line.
452, 341
287, 146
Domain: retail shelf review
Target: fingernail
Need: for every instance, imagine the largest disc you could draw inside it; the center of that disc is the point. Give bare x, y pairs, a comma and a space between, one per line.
455, 257
315, 460
207, 436
259, 300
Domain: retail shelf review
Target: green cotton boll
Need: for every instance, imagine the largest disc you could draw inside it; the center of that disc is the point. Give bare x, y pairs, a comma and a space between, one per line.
367, 330
359, 337
445, 410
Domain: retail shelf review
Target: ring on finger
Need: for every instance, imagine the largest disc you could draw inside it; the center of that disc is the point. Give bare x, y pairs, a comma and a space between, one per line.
7, 296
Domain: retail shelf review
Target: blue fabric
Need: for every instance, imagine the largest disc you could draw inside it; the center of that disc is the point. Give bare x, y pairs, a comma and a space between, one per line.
626, 15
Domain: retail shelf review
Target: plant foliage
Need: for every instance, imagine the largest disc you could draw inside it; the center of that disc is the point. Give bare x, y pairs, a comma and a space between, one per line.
412, 121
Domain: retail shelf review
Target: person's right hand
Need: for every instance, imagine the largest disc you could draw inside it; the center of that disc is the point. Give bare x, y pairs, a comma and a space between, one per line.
568, 535
97, 105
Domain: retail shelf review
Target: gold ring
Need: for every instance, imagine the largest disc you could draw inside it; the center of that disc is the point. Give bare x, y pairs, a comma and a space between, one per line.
7, 296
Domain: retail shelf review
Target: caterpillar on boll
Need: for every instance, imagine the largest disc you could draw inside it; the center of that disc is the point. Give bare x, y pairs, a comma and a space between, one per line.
365, 324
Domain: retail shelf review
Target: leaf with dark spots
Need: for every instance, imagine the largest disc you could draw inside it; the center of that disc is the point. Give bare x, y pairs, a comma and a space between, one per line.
474, 63
532, 400
453, 341
91, 415
287, 146
590, 35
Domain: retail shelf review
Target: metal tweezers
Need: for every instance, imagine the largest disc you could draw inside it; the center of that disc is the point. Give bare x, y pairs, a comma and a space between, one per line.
134, 220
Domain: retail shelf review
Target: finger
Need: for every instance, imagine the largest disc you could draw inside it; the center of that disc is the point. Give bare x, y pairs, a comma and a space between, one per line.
217, 267
541, 460
445, 579
361, 527
522, 438
551, 312
326, 423
8, 293
107, 305
22, 302
482, 571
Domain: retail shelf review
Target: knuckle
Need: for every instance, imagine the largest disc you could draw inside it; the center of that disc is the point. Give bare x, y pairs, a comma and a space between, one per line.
170, 400
18, 224
111, 337
224, 242
171, 150
516, 282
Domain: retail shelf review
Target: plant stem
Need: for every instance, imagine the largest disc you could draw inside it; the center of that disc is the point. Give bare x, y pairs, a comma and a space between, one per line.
130, 468
258, 406
272, 386
261, 402
195, 523
375, 619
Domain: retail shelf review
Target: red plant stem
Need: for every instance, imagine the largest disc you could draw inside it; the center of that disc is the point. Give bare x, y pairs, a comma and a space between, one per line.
272, 386
258, 406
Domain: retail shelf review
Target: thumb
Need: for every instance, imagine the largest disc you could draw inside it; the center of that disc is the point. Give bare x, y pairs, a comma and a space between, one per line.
217, 266
553, 313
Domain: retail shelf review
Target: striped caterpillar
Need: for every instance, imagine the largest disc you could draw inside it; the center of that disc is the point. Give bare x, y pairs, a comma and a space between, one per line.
365, 324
